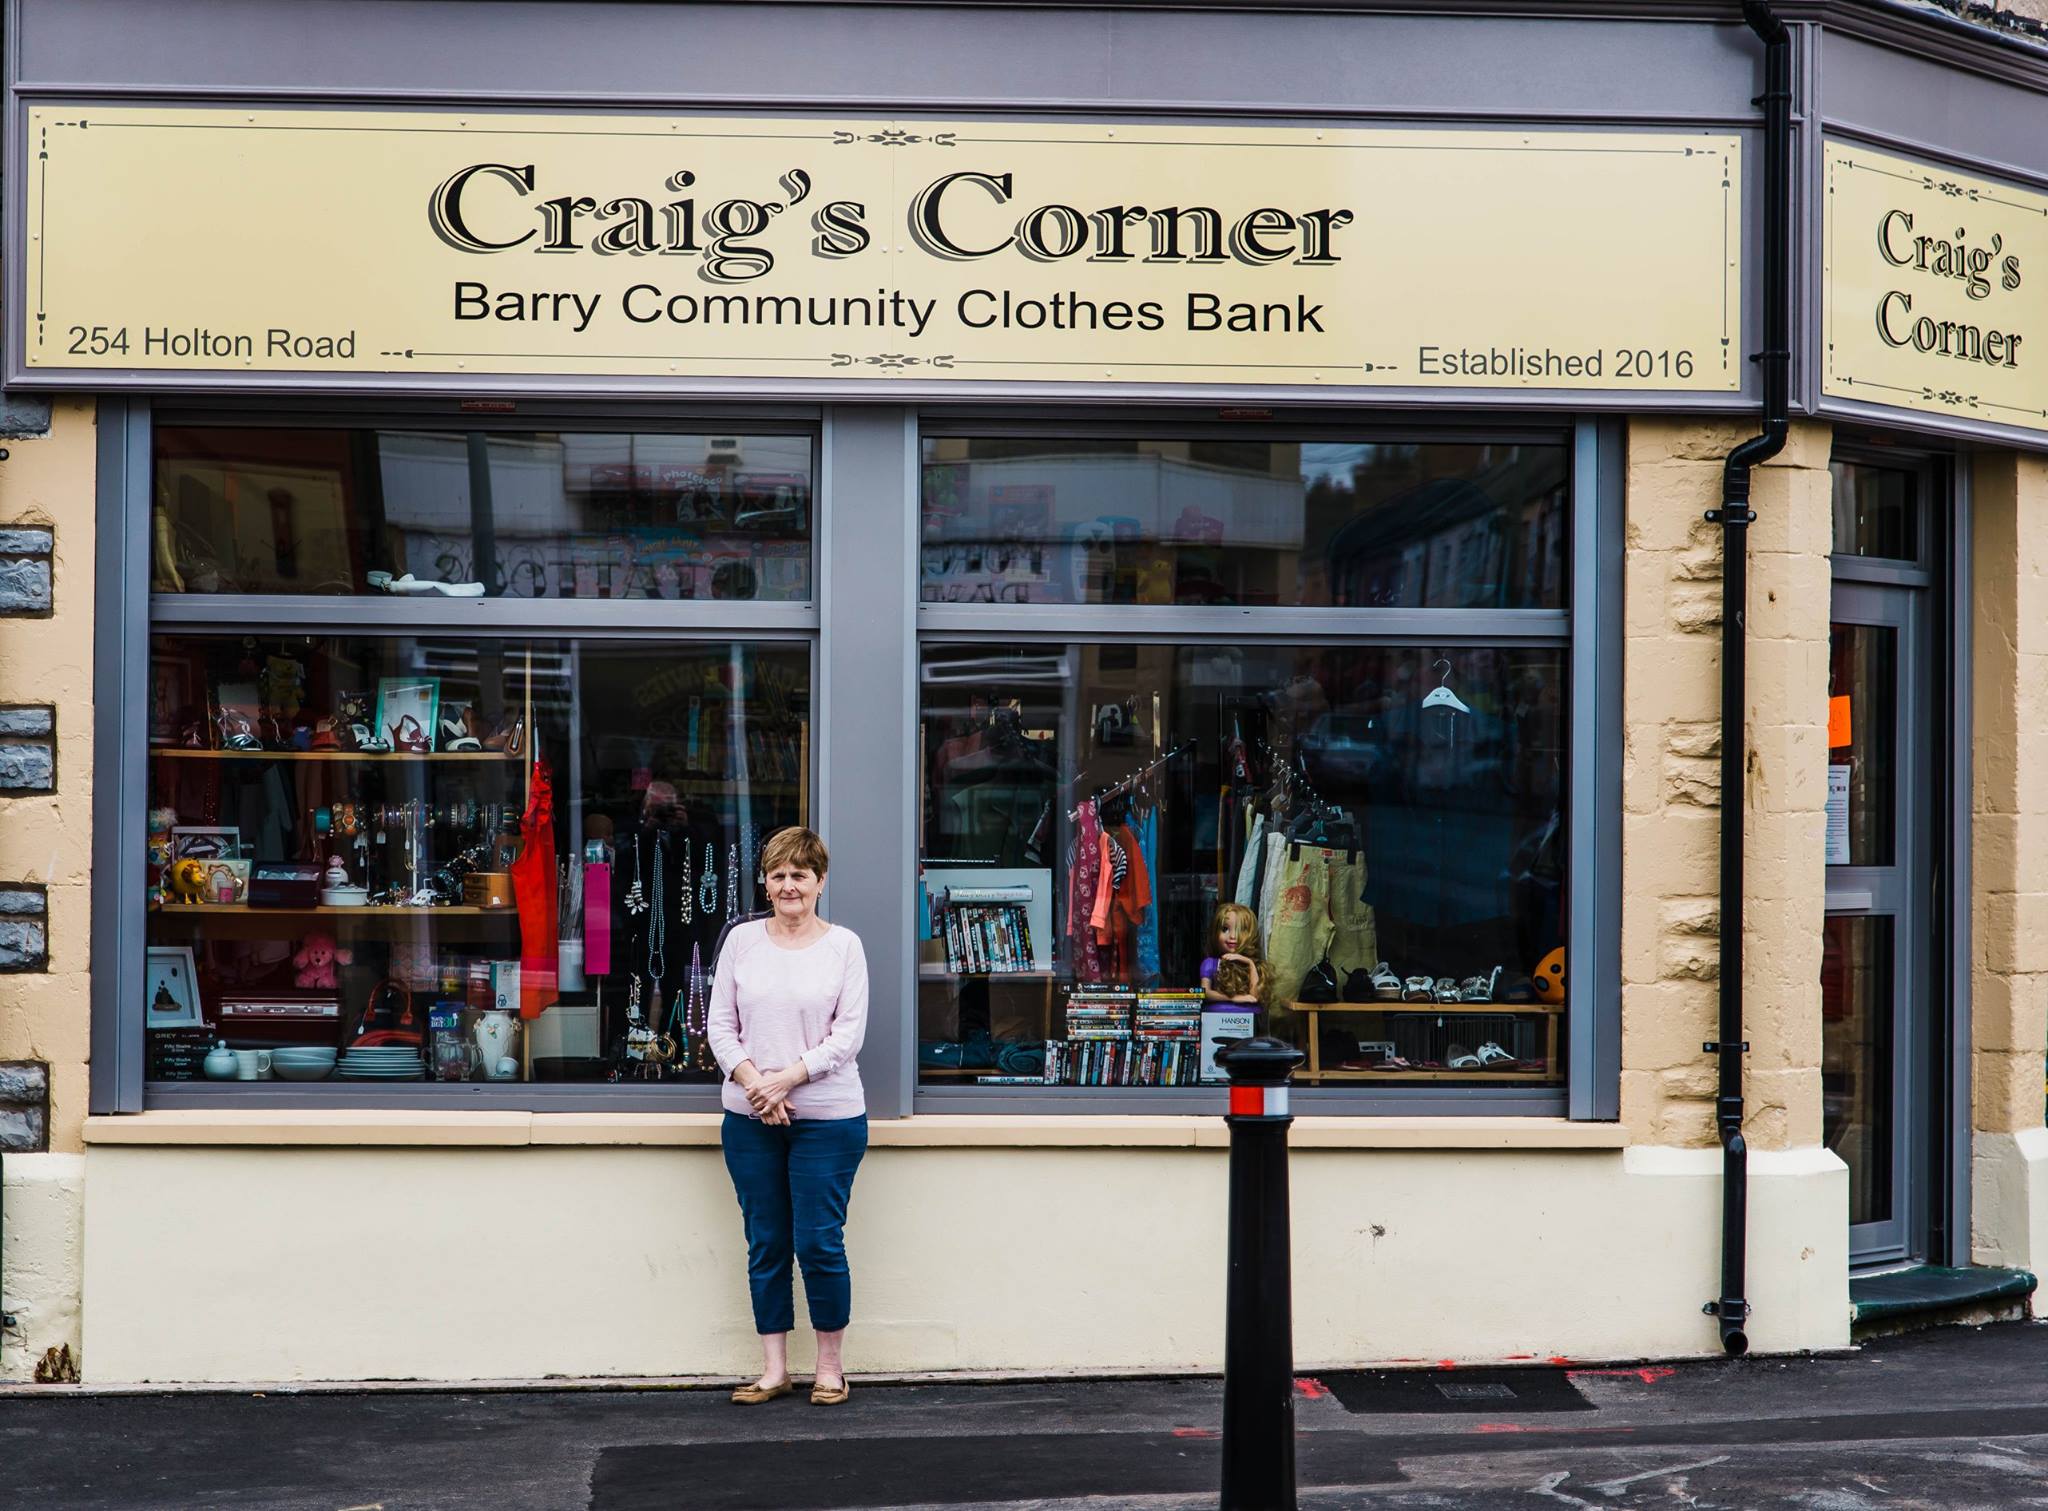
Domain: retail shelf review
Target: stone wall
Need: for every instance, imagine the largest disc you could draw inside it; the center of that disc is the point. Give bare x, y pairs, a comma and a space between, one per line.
46, 640
1671, 784
2009, 864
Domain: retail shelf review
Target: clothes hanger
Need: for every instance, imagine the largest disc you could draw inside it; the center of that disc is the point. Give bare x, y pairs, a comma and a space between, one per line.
1441, 695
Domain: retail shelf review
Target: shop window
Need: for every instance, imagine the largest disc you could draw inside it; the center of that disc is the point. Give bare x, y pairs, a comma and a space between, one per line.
1391, 819
454, 858
1090, 520
1876, 509
556, 515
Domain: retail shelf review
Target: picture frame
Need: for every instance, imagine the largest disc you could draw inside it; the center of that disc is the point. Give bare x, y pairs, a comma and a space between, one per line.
208, 842
170, 988
418, 698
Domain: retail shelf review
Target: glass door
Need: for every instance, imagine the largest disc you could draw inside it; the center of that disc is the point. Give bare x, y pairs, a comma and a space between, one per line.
1877, 976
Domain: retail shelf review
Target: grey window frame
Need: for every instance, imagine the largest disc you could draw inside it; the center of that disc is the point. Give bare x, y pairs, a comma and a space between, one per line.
128, 614
864, 647
1587, 629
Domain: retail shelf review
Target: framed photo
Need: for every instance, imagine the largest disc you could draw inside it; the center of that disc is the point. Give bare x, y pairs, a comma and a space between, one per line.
170, 988
171, 701
415, 698
207, 843
227, 881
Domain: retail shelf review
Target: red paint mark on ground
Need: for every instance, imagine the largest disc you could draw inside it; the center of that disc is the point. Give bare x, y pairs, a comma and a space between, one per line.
1195, 1432
1649, 1374
1447, 1364
1521, 1356
1309, 1388
1502, 1427
1559, 1359
1496, 1427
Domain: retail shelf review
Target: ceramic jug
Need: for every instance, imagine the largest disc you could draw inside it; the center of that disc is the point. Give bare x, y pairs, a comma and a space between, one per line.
494, 1033
220, 1063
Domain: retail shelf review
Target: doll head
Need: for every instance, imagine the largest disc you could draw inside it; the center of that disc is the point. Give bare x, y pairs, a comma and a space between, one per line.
1234, 929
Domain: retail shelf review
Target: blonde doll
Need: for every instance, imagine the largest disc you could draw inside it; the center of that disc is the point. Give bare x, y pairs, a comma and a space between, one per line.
1236, 971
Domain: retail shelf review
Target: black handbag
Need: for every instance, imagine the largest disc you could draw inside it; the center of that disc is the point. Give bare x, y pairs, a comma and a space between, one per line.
1320, 984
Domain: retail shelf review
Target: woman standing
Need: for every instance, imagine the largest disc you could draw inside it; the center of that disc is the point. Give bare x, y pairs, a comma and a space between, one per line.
789, 1005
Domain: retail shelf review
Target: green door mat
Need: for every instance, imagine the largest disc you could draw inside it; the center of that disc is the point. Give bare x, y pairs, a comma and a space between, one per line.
1933, 1288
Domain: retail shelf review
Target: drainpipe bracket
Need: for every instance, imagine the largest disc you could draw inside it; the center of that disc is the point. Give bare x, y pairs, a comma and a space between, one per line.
1734, 514
1712, 1047
1734, 1309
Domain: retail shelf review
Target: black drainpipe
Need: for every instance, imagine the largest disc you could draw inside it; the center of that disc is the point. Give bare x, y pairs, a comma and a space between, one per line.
1735, 516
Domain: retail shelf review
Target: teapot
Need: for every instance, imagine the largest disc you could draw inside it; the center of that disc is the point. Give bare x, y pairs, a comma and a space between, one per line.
220, 1063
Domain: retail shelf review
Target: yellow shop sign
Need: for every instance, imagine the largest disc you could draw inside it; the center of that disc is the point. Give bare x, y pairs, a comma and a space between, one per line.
392, 247
1935, 290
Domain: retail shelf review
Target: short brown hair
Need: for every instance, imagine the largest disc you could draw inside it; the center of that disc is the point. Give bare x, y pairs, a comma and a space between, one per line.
793, 847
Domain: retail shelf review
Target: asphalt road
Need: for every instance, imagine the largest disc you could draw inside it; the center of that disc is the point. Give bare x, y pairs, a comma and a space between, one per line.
1952, 1419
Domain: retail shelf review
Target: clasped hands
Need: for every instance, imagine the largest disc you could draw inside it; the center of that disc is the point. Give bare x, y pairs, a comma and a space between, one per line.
768, 1090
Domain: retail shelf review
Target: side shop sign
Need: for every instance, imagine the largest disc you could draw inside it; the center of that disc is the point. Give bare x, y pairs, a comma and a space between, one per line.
224, 247
1935, 290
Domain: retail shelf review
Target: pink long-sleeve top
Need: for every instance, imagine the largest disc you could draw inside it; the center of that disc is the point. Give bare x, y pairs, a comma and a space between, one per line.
776, 1006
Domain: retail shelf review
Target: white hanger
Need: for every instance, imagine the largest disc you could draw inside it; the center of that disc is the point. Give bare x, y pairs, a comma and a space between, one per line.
1441, 695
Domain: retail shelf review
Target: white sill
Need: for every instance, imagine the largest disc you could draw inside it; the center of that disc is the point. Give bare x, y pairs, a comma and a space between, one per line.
373, 1128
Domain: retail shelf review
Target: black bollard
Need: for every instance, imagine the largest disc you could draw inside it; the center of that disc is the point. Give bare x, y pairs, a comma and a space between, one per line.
1258, 1340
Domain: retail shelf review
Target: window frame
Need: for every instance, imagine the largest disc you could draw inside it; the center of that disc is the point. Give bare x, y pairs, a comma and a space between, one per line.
864, 651
1586, 630
120, 919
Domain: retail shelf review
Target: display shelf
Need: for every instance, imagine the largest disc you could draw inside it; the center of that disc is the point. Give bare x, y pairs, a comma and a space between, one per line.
322, 910
928, 971
1441, 1008
1316, 1077
186, 753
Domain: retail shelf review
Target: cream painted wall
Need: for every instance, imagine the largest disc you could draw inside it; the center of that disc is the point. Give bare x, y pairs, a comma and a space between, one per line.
1671, 848
48, 481
42, 1258
480, 1263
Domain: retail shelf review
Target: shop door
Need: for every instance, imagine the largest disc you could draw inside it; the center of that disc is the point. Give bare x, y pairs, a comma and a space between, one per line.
1877, 966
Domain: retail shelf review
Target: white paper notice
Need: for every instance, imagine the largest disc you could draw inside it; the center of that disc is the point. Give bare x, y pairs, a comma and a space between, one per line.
1838, 816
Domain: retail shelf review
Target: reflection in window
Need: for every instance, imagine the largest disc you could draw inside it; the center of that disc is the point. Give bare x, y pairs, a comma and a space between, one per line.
1390, 819
455, 859
1876, 510
588, 516
1321, 524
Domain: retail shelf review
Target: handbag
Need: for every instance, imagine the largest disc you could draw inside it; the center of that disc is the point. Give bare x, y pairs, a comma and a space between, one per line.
388, 1016
1320, 984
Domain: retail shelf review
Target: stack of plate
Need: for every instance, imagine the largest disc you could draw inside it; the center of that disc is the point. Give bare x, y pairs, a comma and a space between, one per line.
303, 1062
381, 1062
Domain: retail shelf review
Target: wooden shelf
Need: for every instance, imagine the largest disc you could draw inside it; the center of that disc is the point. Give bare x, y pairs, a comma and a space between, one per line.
1444, 1008
184, 753
384, 910
1310, 1077
927, 971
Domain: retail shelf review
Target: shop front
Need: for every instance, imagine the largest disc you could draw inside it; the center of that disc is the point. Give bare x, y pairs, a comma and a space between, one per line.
1141, 514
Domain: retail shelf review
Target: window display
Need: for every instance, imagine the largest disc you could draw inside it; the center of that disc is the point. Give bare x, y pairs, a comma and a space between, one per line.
1342, 524
1129, 851
253, 509
426, 858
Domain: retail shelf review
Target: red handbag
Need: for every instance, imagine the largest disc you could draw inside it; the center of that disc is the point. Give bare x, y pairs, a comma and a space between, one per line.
385, 1020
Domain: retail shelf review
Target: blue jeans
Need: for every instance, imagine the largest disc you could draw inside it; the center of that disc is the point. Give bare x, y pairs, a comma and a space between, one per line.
793, 1183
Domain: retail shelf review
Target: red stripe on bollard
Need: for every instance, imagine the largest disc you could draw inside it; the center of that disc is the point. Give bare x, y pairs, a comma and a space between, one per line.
1248, 1101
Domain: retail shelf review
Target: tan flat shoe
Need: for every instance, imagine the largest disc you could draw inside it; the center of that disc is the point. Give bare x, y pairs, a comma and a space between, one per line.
755, 1395
820, 1396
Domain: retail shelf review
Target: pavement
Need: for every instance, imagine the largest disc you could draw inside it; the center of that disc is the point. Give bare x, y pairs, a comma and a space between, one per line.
1955, 1419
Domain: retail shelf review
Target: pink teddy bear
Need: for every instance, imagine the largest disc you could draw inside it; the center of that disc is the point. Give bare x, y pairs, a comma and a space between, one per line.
317, 957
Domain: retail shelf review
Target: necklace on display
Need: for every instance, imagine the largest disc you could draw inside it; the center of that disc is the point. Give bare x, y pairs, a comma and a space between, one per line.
686, 887
636, 896
707, 890
732, 881
657, 925
696, 1012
